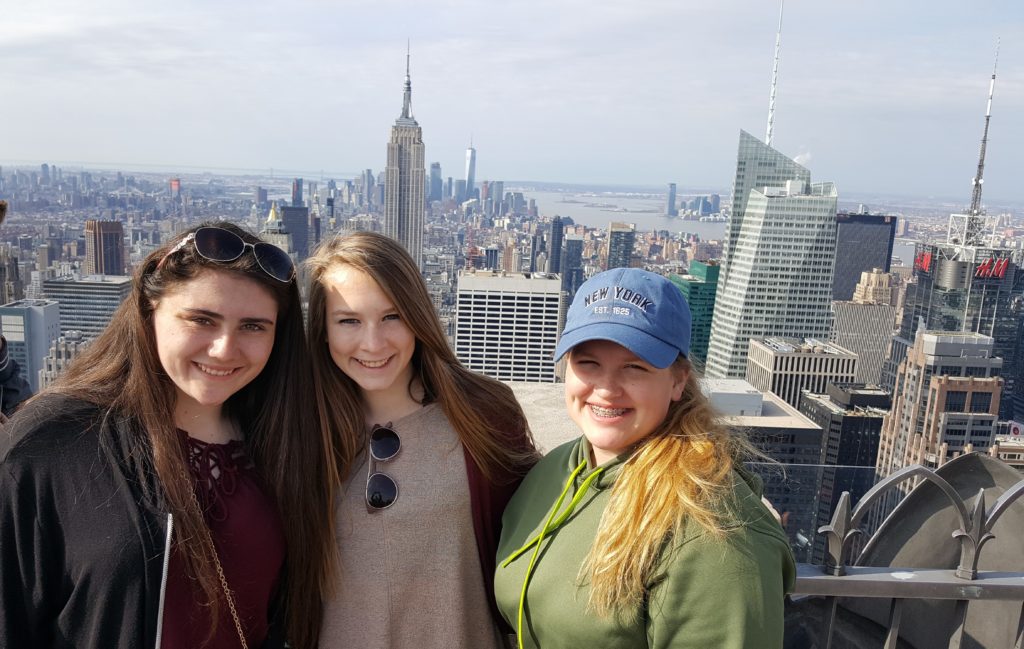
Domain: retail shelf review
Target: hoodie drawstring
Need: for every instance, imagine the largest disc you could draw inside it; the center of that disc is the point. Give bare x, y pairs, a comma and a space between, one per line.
550, 525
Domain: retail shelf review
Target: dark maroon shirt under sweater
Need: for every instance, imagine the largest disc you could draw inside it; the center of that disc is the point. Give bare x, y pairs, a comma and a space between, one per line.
249, 538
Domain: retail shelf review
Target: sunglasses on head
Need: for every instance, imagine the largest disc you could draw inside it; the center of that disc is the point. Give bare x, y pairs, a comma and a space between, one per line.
381, 489
220, 245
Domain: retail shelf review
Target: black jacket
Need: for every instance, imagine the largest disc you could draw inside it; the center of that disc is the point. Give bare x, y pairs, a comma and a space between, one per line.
83, 533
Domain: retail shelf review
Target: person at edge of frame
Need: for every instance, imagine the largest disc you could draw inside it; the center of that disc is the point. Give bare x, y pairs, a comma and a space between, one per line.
646, 531
14, 389
167, 490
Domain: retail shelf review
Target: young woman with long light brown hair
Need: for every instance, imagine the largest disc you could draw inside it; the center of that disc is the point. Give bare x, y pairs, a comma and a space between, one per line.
645, 532
425, 455
168, 490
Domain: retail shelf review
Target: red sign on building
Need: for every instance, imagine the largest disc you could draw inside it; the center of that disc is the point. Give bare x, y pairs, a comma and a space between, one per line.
992, 268
923, 261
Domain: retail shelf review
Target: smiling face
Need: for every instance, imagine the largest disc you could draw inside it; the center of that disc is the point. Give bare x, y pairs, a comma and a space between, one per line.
367, 337
615, 398
214, 334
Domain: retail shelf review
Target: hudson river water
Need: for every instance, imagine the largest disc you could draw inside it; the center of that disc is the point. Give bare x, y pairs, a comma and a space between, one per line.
598, 210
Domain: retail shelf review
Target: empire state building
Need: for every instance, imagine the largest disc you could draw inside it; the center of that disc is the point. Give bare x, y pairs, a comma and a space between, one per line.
404, 179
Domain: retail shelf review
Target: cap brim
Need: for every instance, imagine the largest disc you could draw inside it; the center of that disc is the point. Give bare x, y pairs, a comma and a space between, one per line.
650, 349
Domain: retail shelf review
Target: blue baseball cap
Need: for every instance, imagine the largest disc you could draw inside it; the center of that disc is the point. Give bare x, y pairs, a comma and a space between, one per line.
642, 311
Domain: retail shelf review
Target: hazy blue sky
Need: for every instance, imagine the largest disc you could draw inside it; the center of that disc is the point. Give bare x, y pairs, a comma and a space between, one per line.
877, 96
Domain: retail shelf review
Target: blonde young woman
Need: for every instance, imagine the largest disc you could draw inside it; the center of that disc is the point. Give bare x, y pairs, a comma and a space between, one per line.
425, 454
645, 532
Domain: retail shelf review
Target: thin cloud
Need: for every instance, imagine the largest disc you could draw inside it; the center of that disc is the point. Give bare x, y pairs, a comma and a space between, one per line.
648, 91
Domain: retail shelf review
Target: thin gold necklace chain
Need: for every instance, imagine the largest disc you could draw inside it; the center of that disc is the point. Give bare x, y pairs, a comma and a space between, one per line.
208, 537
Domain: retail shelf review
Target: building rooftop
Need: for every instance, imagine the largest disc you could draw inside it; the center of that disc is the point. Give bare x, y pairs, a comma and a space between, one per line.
962, 337
1010, 441
93, 279
804, 346
775, 413
544, 406
826, 401
29, 303
869, 390
503, 275
689, 278
728, 386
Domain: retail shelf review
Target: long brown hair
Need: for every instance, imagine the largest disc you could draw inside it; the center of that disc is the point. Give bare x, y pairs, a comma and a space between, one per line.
681, 471
121, 372
483, 412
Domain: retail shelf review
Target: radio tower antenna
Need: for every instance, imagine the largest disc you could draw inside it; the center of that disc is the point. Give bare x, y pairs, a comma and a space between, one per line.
969, 230
775, 78
978, 177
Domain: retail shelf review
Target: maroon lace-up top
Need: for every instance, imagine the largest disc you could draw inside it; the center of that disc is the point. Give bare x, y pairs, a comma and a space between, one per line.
249, 538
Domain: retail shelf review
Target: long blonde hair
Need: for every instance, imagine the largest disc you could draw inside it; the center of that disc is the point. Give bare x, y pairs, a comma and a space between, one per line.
680, 472
484, 413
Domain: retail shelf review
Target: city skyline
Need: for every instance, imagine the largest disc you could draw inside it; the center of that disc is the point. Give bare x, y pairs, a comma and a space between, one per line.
874, 97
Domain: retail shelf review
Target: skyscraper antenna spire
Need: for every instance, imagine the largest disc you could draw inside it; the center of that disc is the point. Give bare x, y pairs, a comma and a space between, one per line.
407, 99
775, 77
978, 179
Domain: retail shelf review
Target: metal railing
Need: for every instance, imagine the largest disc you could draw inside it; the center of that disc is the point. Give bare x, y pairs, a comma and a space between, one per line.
841, 578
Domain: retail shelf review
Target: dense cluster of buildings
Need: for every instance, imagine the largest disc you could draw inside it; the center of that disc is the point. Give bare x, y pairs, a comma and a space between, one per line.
842, 368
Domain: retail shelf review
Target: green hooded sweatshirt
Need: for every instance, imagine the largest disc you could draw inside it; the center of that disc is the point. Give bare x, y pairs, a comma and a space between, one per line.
705, 593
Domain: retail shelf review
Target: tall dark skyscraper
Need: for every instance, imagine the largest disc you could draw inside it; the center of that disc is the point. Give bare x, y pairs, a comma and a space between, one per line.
621, 237
296, 223
368, 187
863, 242
572, 265
314, 223
435, 181
851, 417
536, 248
259, 196
297, 192
670, 201
555, 245
404, 179
491, 257
104, 248
498, 192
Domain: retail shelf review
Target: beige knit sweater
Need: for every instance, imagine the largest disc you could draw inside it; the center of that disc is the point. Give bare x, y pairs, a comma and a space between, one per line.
410, 574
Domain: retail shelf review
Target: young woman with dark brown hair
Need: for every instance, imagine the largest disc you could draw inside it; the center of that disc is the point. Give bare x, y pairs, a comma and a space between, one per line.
155, 494
425, 455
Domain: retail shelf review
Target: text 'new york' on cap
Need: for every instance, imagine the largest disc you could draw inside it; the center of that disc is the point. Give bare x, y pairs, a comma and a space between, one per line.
642, 311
